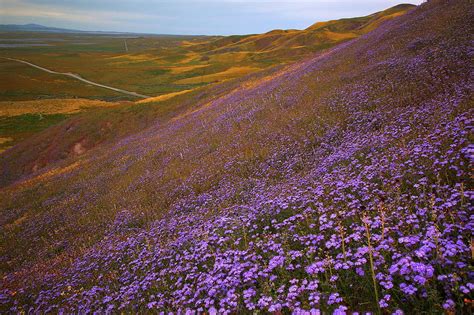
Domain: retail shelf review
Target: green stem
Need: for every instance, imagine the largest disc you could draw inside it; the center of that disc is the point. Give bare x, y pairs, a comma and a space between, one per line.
372, 269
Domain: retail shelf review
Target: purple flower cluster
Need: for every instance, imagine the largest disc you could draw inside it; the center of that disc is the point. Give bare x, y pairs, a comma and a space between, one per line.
359, 200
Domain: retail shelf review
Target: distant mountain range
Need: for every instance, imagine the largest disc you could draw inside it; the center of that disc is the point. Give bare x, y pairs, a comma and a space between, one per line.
46, 29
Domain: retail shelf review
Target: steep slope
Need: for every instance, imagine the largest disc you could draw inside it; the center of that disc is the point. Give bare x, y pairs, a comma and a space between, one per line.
339, 182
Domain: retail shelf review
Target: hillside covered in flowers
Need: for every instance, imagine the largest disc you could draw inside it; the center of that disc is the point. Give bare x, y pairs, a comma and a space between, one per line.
338, 184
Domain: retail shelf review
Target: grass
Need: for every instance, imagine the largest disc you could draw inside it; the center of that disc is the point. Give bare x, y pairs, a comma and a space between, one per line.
28, 123
22, 119
233, 72
49, 106
163, 97
20, 82
18, 128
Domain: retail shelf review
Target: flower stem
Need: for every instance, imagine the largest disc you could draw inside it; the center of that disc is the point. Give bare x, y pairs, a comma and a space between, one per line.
371, 260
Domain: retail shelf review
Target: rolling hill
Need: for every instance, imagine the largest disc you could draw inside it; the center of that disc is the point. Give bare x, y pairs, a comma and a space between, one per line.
295, 43
340, 182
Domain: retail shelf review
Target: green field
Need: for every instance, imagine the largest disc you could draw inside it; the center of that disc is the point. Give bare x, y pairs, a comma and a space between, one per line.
152, 65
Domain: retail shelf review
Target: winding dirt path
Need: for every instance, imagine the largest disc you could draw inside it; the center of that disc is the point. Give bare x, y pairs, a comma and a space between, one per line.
78, 77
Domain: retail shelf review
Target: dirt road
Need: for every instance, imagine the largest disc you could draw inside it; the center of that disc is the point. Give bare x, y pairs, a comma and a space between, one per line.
78, 77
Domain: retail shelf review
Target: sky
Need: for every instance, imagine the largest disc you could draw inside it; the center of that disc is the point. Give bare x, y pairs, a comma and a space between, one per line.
186, 17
